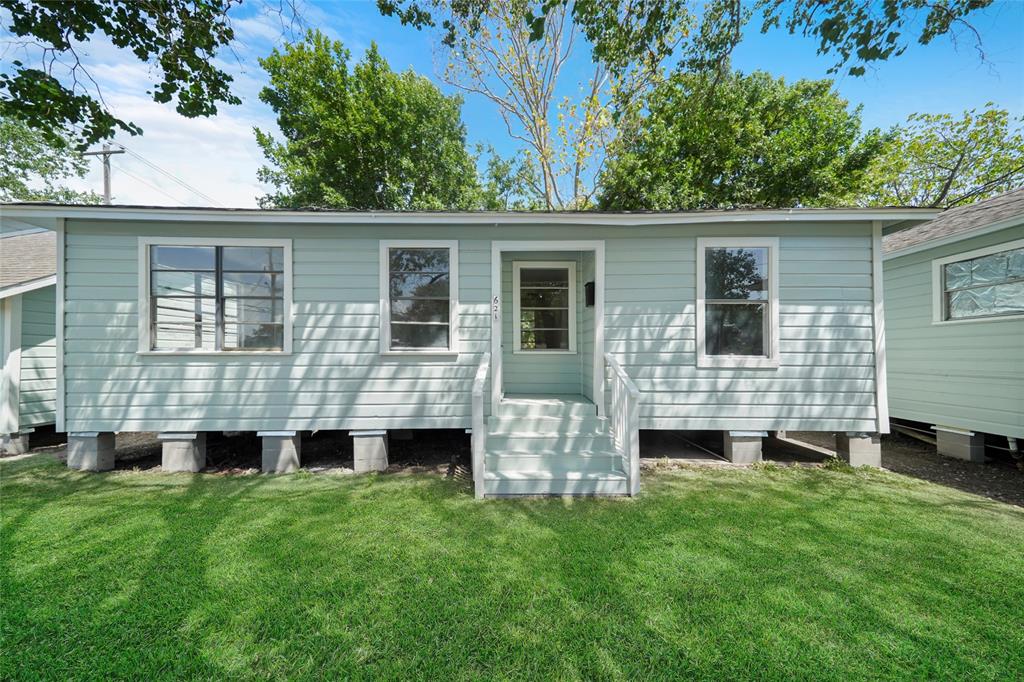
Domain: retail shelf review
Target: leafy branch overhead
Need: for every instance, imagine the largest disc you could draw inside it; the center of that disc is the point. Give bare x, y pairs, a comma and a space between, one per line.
856, 32
50, 87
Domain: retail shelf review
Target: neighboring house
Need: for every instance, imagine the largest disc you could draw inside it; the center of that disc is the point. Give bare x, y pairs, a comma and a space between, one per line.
954, 305
27, 334
554, 337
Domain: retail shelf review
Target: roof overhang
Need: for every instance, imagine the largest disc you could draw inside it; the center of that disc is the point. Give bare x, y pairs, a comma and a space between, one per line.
42, 214
954, 238
25, 287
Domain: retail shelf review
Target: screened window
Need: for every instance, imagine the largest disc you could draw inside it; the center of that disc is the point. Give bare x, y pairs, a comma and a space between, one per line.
736, 302
991, 285
216, 298
419, 297
545, 306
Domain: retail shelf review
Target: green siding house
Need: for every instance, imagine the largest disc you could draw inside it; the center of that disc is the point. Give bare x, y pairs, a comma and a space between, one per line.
27, 334
954, 306
552, 338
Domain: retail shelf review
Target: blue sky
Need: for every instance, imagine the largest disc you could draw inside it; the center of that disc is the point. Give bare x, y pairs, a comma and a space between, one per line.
220, 157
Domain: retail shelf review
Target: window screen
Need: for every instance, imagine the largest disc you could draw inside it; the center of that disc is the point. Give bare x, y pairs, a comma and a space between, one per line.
420, 298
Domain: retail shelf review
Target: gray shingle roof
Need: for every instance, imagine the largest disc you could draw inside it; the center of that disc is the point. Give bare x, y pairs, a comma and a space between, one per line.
961, 219
27, 257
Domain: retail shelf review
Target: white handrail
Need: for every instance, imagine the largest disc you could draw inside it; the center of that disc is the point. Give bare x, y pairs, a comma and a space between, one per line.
478, 439
625, 421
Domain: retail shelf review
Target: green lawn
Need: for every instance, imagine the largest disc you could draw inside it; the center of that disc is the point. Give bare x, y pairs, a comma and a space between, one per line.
710, 573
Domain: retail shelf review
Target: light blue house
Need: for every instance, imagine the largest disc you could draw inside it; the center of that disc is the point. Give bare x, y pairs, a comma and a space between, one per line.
552, 337
27, 333
954, 298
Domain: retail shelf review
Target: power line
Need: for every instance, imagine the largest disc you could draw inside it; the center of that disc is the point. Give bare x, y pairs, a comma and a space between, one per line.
150, 185
172, 176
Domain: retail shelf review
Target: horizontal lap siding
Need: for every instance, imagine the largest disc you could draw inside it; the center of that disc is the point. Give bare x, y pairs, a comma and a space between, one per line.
38, 396
826, 376
969, 375
336, 378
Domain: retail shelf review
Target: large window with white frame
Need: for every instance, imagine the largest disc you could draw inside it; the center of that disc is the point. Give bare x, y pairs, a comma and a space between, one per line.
982, 284
419, 296
205, 296
544, 306
737, 302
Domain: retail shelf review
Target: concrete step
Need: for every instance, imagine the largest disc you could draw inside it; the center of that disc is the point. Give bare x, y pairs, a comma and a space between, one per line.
530, 483
546, 406
548, 463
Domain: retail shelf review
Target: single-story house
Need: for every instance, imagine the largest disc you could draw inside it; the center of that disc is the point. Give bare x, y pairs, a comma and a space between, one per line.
553, 337
28, 298
954, 305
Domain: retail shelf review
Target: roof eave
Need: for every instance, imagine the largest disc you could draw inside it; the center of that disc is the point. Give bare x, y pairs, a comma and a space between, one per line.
888, 216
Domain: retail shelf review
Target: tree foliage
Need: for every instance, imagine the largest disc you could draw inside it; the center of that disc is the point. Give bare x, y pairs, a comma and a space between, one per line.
940, 161
33, 166
54, 92
739, 140
368, 138
856, 32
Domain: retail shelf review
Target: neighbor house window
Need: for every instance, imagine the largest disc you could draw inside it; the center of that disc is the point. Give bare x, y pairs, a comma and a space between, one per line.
544, 306
214, 297
737, 300
419, 285
987, 283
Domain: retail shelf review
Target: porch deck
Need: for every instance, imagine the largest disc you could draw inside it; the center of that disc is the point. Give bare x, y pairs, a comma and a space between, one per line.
547, 444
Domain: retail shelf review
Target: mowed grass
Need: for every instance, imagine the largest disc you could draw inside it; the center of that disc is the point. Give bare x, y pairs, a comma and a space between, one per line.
769, 574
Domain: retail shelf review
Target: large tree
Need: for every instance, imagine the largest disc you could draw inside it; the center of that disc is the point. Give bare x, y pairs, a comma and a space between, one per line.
33, 167
941, 161
47, 81
365, 138
739, 140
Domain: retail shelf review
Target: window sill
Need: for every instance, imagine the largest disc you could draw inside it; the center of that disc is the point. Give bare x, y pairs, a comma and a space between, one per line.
736, 362
970, 320
216, 353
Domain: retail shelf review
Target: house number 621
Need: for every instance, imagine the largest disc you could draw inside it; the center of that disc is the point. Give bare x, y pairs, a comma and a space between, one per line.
494, 307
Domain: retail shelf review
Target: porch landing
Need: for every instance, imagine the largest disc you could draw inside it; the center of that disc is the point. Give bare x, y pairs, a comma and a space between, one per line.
544, 444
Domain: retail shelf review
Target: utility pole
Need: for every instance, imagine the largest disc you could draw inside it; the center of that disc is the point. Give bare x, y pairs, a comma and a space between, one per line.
105, 153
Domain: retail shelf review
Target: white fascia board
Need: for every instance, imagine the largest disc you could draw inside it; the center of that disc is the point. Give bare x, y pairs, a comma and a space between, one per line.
251, 216
31, 285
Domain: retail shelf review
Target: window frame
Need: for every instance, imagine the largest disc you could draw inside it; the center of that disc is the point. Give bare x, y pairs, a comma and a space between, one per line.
453, 295
939, 312
517, 338
145, 278
771, 332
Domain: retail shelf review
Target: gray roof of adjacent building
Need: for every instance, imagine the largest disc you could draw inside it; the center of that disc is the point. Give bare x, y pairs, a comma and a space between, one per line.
962, 220
27, 257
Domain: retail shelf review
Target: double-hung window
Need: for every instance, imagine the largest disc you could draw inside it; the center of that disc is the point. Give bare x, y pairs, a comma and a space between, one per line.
737, 302
983, 284
419, 296
202, 296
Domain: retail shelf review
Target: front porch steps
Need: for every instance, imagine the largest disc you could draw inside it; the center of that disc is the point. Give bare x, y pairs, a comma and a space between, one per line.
551, 445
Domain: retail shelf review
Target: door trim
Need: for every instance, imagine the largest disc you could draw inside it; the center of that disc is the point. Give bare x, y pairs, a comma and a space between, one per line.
499, 247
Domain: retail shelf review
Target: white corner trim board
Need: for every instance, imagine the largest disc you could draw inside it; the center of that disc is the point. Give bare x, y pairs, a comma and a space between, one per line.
878, 301
59, 331
10, 364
